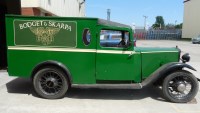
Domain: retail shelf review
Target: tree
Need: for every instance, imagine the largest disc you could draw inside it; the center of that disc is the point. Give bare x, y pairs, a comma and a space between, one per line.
155, 26
170, 26
173, 26
159, 23
179, 26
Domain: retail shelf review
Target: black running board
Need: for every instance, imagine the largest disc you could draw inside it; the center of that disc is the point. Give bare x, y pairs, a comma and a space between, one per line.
109, 86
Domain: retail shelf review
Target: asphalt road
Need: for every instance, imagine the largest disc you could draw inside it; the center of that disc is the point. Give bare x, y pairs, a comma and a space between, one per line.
17, 95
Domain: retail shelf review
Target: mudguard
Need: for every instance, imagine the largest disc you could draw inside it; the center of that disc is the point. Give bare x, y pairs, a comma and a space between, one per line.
53, 63
163, 71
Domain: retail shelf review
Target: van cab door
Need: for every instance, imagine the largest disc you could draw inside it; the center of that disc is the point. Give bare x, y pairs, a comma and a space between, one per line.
115, 58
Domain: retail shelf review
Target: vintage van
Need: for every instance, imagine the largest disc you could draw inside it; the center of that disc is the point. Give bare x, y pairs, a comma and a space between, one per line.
58, 52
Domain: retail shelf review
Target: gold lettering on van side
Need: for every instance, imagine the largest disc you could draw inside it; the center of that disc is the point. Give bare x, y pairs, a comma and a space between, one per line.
45, 35
45, 24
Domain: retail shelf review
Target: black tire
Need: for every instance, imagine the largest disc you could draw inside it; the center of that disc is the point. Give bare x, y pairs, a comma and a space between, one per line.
177, 82
50, 83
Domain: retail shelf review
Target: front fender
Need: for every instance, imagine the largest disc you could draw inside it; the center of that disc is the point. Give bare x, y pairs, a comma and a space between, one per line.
164, 70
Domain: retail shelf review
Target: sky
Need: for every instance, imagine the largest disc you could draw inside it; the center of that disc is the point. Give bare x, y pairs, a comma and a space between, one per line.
132, 11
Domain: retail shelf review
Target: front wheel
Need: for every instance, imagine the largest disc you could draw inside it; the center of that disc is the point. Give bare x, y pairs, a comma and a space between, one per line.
50, 83
180, 87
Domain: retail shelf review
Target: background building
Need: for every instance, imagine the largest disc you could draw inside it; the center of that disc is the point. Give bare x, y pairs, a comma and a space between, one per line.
191, 22
6, 7
67, 8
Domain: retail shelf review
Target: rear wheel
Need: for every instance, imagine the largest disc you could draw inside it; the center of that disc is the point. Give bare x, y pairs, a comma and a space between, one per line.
50, 83
180, 87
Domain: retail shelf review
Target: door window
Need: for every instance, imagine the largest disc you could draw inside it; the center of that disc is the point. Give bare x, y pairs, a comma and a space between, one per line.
112, 38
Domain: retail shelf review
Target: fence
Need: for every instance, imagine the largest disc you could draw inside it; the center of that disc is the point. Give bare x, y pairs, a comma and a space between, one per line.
158, 35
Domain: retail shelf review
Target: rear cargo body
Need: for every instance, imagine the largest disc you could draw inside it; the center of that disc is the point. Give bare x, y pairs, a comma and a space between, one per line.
26, 50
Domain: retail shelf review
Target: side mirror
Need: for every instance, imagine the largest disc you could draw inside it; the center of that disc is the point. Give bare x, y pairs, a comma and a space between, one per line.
129, 43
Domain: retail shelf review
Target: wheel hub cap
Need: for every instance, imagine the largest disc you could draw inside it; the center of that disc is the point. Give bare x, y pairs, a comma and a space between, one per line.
181, 87
51, 82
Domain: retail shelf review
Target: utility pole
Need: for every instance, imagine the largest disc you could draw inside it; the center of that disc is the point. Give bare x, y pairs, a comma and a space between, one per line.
145, 22
175, 22
108, 14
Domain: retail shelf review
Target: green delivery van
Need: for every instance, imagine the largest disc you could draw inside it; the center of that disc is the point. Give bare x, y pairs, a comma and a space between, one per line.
60, 52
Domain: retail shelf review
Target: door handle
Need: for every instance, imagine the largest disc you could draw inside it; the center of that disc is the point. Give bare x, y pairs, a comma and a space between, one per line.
131, 54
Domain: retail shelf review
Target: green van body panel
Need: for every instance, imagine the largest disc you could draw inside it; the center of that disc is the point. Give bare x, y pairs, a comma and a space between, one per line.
153, 58
33, 40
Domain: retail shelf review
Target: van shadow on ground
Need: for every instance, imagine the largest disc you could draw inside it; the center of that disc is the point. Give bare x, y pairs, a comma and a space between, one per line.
24, 86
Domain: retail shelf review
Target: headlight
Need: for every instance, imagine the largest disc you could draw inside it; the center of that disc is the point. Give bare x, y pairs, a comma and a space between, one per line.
186, 58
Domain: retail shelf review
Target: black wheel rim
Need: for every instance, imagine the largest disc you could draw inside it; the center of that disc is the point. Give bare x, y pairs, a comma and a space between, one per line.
50, 83
178, 82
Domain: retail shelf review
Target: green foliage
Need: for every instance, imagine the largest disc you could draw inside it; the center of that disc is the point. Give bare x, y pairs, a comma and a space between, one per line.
159, 23
155, 26
170, 26
179, 26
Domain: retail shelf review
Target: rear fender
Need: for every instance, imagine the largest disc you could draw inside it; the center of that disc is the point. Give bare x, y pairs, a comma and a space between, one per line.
55, 64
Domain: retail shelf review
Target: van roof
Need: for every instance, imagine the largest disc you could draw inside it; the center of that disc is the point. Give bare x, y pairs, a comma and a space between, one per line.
100, 21
111, 23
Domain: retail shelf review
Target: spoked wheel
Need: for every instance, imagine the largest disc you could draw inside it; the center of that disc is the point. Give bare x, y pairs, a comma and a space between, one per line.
50, 83
180, 87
